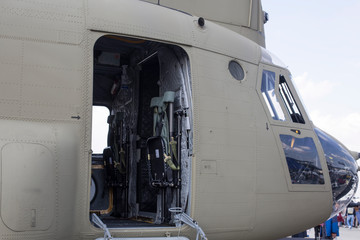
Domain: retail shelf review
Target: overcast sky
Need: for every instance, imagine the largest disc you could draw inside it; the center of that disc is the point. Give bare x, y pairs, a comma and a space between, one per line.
319, 42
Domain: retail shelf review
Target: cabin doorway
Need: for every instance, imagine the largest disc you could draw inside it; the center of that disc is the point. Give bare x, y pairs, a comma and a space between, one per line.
142, 169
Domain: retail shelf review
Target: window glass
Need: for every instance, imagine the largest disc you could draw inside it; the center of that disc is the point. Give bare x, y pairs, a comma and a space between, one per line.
236, 70
268, 92
302, 159
289, 101
100, 128
341, 165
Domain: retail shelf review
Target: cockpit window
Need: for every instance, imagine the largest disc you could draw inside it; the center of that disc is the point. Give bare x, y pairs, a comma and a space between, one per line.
341, 164
268, 92
302, 159
342, 169
289, 101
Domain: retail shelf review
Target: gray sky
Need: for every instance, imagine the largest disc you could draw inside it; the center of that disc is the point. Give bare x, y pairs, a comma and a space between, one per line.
319, 42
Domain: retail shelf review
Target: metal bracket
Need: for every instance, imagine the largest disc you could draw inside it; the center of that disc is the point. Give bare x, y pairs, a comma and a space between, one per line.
180, 216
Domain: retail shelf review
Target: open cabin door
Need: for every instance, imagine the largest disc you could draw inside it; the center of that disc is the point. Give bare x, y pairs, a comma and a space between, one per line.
144, 169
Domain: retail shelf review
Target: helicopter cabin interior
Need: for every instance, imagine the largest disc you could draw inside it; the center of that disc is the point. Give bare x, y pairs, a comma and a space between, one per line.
144, 167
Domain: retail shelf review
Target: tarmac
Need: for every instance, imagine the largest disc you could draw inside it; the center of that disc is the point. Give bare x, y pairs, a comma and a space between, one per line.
344, 234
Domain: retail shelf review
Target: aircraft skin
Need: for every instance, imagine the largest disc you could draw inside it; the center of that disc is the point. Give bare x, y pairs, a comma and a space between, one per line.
240, 185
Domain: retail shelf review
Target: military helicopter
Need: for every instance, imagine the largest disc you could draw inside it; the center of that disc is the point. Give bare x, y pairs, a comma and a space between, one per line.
206, 136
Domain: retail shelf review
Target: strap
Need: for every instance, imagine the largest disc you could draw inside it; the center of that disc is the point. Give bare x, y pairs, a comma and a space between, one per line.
169, 162
173, 145
121, 165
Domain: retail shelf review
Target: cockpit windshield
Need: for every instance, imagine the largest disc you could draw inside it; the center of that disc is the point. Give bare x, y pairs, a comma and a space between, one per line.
275, 88
269, 94
289, 101
342, 169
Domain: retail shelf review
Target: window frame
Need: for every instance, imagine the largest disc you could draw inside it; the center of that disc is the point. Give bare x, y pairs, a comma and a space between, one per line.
290, 102
288, 120
292, 187
292, 156
288, 127
272, 106
263, 67
297, 100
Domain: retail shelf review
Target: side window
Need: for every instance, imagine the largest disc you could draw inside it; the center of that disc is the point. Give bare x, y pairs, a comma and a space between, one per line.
268, 92
302, 160
100, 129
289, 101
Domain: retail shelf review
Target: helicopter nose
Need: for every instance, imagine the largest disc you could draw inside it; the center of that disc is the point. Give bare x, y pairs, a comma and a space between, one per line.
342, 169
